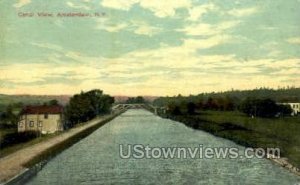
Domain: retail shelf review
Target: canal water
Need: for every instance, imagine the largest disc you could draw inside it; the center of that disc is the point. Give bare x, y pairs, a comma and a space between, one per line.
96, 159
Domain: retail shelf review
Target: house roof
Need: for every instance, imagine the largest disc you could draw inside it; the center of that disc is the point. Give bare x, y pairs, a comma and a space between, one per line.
43, 109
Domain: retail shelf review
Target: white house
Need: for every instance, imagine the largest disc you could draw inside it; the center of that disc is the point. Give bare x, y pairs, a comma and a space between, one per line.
46, 119
295, 107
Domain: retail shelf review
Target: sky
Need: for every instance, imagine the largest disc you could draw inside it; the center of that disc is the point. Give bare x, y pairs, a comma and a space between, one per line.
148, 47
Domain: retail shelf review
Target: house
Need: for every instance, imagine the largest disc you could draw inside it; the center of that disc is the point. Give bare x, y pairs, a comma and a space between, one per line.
294, 106
45, 118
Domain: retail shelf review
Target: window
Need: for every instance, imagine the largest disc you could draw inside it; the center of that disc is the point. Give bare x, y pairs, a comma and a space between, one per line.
31, 123
21, 124
40, 123
46, 116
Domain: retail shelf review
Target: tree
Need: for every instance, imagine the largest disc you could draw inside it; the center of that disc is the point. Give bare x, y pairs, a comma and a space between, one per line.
53, 102
259, 107
78, 109
191, 107
200, 104
85, 106
211, 104
228, 104
8, 118
140, 99
173, 109
107, 102
285, 110
136, 100
96, 102
267, 108
130, 100
176, 111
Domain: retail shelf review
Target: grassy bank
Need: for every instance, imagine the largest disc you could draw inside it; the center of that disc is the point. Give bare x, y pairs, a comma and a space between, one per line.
251, 132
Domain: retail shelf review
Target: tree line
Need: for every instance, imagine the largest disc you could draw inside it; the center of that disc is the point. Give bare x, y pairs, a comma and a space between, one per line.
254, 104
251, 106
135, 100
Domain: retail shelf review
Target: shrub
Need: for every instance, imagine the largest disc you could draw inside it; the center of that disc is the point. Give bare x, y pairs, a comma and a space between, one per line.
262, 107
18, 137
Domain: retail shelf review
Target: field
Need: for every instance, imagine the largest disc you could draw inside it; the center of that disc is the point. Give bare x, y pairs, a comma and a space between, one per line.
254, 132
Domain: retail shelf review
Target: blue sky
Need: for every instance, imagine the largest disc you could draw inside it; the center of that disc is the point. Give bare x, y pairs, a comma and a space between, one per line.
143, 47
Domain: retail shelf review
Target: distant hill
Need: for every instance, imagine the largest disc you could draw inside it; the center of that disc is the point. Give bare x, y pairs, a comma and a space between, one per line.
27, 99
278, 95
19, 100
32, 99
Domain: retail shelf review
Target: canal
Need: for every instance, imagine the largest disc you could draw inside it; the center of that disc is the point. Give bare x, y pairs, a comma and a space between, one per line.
96, 159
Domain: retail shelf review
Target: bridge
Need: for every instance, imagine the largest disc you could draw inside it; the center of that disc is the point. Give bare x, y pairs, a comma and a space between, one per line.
149, 107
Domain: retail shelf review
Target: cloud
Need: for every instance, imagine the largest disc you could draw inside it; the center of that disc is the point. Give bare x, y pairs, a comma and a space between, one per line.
243, 12
164, 8
197, 12
274, 53
47, 46
22, 3
167, 8
136, 64
267, 28
77, 6
111, 27
35, 73
272, 48
173, 57
206, 43
142, 28
286, 63
119, 4
137, 27
154, 71
203, 29
294, 40
158, 7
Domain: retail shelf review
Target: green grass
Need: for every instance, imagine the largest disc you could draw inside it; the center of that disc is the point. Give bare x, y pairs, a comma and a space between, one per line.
255, 132
280, 128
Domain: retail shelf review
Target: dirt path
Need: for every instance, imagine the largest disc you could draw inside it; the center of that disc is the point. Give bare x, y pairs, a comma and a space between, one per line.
13, 164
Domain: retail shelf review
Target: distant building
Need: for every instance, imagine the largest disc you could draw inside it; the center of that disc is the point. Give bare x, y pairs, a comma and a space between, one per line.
294, 106
46, 119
